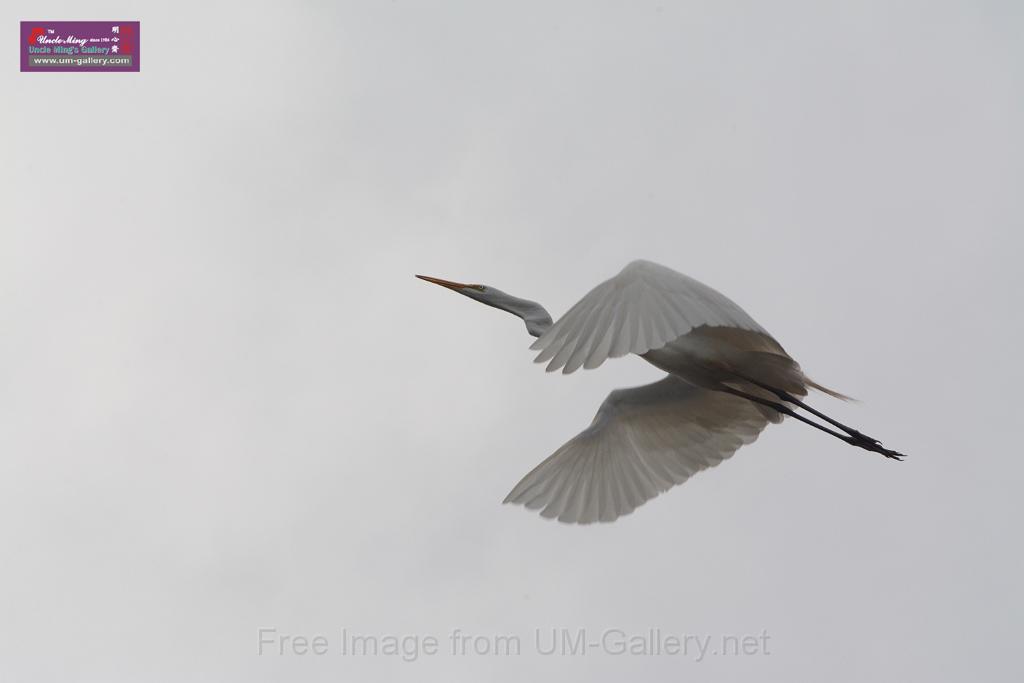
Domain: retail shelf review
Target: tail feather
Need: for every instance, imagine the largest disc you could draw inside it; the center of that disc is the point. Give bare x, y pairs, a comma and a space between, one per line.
825, 390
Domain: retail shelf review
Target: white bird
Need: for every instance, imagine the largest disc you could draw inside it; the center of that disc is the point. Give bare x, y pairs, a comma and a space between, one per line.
727, 379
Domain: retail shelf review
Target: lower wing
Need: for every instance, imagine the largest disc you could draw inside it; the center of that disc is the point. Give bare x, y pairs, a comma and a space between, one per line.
643, 441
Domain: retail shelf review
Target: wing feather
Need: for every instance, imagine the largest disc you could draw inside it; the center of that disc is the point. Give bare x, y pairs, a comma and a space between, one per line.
644, 307
642, 442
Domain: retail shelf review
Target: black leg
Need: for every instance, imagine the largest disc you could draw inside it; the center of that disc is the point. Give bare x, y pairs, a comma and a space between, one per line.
789, 398
785, 396
855, 438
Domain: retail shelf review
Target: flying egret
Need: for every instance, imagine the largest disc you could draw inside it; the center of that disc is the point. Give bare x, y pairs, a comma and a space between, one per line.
727, 379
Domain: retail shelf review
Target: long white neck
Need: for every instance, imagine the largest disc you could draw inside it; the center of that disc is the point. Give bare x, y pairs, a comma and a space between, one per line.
533, 314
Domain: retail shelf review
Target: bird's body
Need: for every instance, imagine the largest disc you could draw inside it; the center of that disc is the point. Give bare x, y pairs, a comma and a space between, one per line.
727, 379
709, 357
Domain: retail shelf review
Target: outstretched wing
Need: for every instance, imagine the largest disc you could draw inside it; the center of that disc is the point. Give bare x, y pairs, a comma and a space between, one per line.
642, 308
643, 441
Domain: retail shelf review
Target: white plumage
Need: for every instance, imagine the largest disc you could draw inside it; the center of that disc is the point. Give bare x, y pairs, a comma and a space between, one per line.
642, 308
642, 442
728, 378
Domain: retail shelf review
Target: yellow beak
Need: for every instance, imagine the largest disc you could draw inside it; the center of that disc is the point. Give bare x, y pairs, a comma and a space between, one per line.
444, 283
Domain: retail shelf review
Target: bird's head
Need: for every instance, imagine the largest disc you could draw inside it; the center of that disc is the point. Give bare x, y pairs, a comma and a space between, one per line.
478, 292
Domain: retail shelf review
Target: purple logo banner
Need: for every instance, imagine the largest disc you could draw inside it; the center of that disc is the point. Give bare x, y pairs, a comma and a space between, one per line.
79, 46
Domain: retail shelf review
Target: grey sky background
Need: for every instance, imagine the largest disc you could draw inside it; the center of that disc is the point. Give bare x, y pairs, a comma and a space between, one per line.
225, 403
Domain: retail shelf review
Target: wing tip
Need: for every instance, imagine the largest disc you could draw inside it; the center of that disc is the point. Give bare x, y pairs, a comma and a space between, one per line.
566, 517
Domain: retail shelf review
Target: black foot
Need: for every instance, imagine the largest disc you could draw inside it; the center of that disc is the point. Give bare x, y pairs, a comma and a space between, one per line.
873, 445
863, 437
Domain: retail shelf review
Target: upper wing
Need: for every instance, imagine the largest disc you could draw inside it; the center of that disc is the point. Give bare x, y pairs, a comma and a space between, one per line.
642, 441
642, 308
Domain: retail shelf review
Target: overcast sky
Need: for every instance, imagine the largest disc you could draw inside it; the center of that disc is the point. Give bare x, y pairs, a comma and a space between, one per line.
226, 404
